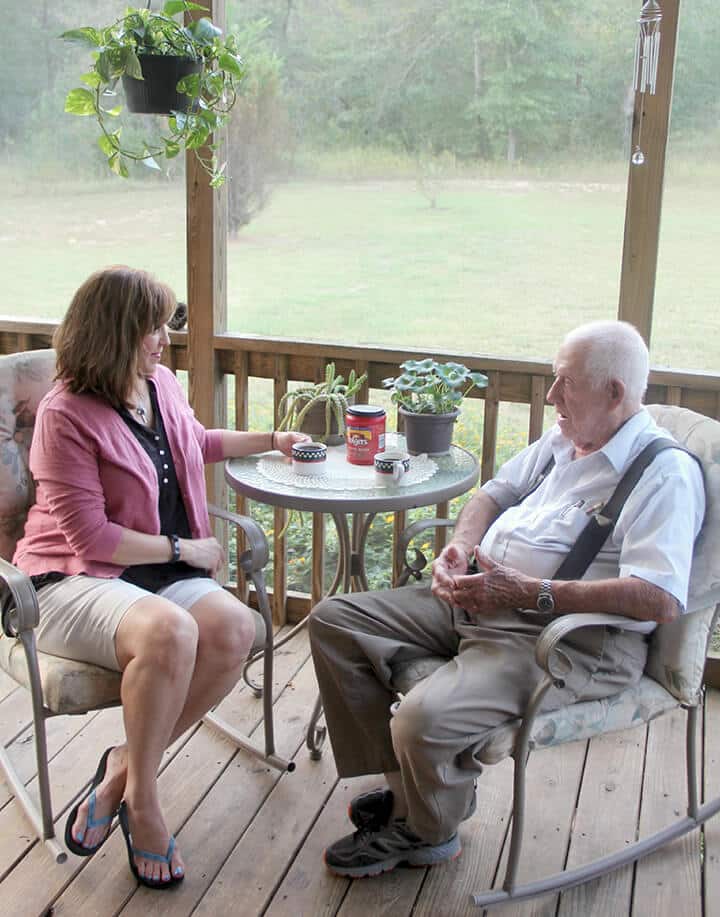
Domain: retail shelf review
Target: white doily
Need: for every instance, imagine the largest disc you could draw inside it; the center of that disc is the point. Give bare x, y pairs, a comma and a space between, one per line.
338, 474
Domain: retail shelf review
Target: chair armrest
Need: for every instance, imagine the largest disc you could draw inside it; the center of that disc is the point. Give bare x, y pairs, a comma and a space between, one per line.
20, 611
553, 660
415, 567
257, 553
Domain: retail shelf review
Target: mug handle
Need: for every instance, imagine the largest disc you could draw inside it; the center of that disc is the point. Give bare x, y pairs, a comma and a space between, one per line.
398, 472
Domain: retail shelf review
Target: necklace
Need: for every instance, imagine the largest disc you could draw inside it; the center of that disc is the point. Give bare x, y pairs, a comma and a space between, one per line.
137, 406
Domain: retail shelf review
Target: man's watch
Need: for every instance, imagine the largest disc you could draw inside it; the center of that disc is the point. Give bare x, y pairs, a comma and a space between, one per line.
545, 600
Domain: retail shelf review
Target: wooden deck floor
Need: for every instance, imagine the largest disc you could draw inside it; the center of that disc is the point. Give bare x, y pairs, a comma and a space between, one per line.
252, 839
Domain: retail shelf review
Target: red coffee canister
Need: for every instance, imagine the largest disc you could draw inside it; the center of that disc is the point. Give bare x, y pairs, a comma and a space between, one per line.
364, 433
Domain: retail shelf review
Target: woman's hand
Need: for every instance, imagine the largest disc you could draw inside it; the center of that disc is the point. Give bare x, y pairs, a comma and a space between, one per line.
284, 441
203, 553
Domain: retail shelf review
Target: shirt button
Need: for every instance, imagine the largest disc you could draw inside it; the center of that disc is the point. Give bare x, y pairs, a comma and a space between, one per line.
166, 467
162, 452
165, 480
157, 439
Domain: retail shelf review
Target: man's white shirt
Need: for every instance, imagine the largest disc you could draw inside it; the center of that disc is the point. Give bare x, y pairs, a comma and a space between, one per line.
655, 532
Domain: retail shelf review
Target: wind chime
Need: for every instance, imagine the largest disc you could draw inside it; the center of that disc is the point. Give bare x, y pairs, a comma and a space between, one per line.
647, 55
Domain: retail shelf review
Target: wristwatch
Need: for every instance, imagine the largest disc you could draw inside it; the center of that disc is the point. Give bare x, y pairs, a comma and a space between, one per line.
545, 600
175, 545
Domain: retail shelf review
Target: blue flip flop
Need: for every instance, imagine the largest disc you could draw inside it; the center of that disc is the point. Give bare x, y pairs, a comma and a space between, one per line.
155, 857
92, 822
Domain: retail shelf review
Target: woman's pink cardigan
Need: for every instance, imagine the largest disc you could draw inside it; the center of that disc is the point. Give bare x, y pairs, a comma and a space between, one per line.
94, 479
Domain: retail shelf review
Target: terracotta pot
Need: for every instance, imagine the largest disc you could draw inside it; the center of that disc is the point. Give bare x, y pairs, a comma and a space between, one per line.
156, 93
429, 433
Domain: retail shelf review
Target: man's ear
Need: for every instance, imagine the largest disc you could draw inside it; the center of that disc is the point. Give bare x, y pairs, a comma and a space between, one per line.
616, 390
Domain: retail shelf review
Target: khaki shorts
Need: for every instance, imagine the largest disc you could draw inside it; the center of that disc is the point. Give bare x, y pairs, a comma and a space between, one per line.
80, 615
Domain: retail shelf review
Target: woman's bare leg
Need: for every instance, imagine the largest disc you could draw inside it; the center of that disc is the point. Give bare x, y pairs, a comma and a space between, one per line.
226, 632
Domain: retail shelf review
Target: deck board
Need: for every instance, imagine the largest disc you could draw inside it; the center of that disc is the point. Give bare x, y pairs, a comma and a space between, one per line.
612, 780
253, 839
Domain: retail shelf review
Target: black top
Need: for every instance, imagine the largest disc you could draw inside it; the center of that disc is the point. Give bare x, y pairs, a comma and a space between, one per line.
173, 516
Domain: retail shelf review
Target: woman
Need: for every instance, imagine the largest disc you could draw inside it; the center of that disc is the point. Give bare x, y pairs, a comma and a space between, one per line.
121, 553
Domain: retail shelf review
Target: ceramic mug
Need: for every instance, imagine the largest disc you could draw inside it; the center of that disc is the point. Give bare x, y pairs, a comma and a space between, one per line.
309, 458
391, 466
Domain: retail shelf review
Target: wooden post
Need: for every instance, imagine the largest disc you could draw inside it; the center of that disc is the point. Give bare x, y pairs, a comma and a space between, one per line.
651, 121
206, 287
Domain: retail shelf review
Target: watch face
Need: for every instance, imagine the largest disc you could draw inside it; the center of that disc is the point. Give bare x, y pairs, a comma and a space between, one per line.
545, 602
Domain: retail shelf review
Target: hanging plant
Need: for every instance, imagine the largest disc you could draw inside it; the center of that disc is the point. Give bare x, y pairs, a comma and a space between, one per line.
201, 70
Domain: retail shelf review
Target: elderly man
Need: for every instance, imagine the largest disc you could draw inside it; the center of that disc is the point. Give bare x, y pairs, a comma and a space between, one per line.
517, 528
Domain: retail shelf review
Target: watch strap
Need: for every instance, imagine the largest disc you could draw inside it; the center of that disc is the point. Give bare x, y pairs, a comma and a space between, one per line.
545, 599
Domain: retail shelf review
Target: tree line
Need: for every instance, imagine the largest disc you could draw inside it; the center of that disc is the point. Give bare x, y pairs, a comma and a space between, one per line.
480, 79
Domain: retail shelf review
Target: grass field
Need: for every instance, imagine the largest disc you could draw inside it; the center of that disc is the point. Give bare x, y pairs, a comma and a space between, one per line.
498, 266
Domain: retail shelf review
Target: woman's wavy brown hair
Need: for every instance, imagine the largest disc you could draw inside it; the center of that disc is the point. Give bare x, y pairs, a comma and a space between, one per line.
98, 341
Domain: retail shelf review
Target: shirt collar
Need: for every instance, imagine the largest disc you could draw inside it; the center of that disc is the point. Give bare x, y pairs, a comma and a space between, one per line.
617, 450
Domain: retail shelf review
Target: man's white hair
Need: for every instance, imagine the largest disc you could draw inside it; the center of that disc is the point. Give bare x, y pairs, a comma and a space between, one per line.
614, 350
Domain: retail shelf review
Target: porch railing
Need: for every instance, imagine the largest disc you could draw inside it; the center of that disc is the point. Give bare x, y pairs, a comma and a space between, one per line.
246, 357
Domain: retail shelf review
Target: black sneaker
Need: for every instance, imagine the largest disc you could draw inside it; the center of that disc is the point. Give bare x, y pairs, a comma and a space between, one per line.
370, 853
372, 810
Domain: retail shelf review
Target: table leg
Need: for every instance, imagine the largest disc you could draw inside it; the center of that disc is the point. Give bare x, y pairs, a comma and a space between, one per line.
352, 563
361, 529
315, 737
343, 574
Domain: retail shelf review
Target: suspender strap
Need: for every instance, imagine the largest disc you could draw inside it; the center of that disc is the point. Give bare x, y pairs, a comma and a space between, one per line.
549, 465
601, 524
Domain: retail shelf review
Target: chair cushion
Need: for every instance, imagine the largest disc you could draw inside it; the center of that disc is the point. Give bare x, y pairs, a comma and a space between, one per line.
631, 707
24, 380
700, 435
68, 686
677, 651
637, 704
76, 687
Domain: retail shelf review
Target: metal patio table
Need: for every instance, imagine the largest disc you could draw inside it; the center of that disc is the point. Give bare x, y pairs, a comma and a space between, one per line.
268, 478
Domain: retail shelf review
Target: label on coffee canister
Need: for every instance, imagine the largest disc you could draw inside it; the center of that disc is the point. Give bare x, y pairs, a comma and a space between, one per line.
364, 433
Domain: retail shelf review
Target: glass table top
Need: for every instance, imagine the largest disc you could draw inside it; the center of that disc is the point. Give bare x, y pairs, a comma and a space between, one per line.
341, 487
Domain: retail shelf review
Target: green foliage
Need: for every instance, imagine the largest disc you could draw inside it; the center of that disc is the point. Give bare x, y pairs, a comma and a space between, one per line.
333, 392
117, 51
429, 387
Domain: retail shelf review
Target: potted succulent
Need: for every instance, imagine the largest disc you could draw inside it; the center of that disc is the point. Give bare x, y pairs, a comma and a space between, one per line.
428, 395
197, 69
319, 408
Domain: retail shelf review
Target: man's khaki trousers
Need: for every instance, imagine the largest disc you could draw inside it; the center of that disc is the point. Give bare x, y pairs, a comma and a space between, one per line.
489, 676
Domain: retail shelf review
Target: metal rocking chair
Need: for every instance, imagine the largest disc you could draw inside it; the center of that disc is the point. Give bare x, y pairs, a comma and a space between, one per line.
673, 678
63, 686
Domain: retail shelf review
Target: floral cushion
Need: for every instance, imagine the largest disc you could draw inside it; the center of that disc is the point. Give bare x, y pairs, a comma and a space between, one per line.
24, 379
637, 704
631, 707
68, 686
677, 650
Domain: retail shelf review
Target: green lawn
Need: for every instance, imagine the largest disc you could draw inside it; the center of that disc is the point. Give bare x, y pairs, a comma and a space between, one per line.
501, 267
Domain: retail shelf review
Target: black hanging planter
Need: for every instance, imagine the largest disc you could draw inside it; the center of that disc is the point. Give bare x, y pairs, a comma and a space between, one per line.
156, 93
